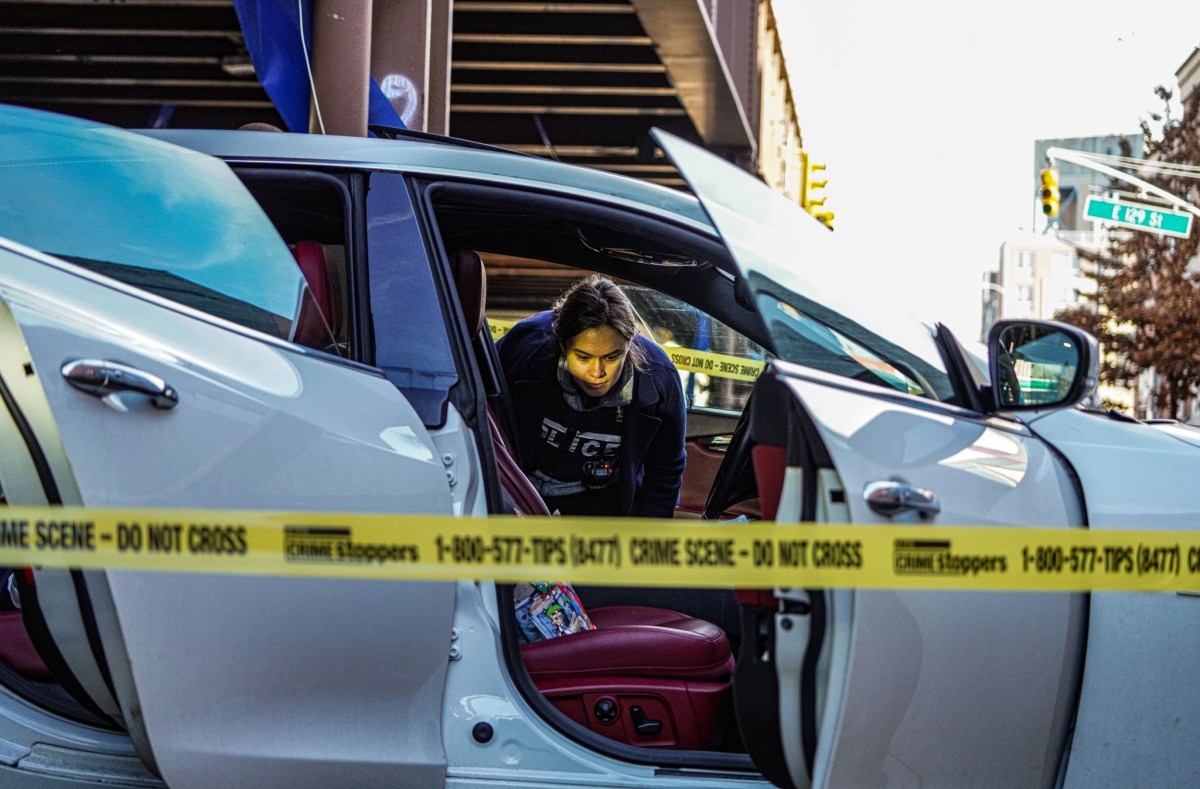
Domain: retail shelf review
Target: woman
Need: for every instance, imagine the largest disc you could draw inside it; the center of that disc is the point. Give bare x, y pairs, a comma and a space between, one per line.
598, 408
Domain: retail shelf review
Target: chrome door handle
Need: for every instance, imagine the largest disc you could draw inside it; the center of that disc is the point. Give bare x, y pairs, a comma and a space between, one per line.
892, 498
104, 379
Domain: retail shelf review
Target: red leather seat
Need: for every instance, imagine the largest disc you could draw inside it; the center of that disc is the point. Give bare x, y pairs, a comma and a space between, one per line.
644, 676
310, 257
524, 495
312, 324
17, 651
657, 643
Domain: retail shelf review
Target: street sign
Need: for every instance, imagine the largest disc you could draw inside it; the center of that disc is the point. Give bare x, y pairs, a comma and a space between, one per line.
1140, 216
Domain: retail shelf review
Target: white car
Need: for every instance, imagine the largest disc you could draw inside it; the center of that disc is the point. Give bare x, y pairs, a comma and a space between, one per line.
162, 348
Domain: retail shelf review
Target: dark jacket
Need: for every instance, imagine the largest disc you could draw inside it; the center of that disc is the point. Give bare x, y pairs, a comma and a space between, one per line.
652, 440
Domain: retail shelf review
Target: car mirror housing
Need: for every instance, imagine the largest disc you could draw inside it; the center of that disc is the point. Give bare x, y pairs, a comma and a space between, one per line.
1040, 364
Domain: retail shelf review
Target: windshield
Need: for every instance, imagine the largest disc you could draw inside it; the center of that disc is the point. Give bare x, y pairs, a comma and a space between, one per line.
167, 220
819, 307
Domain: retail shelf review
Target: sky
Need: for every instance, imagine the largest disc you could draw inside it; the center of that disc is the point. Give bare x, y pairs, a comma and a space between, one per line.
926, 114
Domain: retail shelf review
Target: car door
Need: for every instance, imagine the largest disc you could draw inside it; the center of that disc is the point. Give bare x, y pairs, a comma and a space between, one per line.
124, 397
891, 687
234, 679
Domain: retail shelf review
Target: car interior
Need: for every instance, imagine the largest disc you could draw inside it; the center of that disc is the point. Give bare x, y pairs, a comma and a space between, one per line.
665, 668
508, 255
531, 248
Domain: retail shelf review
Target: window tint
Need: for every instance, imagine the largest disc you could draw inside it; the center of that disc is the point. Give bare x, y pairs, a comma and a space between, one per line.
311, 211
171, 221
411, 344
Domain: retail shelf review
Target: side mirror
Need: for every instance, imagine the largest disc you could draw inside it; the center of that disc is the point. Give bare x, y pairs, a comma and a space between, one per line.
1040, 364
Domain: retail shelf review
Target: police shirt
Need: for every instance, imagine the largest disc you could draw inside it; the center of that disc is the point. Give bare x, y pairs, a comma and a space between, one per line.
577, 459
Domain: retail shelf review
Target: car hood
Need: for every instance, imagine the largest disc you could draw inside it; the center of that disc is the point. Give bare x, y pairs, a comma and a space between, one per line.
1184, 432
1133, 475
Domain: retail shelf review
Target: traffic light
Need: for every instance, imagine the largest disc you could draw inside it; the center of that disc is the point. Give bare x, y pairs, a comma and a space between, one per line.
1050, 193
812, 189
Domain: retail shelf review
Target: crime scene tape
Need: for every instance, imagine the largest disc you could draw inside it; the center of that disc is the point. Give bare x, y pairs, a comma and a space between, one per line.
610, 551
688, 360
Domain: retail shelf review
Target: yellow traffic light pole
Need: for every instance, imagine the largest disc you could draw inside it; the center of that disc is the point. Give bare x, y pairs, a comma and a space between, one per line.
812, 197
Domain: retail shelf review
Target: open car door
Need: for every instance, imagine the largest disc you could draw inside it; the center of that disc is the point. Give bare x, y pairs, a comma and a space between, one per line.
117, 397
873, 688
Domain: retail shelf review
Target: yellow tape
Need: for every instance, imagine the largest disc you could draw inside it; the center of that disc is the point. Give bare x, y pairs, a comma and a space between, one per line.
617, 551
717, 365
500, 327
688, 360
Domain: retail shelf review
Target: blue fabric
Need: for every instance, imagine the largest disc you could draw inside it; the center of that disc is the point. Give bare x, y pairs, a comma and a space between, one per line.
652, 440
272, 30
380, 111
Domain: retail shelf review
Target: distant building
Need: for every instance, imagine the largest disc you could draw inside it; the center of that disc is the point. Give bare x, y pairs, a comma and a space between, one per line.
1038, 276
1188, 75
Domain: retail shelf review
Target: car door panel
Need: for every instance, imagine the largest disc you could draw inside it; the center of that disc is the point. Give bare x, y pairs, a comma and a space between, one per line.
708, 433
288, 680
1139, 709
929, 691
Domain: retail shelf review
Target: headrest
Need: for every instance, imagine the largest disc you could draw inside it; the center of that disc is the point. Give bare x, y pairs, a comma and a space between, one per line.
470, 280
310, 256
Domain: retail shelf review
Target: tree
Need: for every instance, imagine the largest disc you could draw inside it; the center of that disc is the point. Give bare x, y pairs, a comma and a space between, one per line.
1146, 309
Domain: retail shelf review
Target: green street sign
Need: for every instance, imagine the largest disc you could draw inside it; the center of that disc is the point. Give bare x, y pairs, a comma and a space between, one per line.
1151, 218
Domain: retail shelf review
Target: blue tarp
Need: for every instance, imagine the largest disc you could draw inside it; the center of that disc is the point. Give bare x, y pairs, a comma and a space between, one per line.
278, 46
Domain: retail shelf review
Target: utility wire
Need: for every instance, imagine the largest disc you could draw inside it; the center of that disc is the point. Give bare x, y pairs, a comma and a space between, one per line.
311, 84
1148, 165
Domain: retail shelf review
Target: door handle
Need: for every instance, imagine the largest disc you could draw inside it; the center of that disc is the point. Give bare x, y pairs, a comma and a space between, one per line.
106, 379
892, 498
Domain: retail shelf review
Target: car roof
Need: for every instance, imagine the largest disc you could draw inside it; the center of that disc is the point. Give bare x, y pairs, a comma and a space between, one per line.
445, 157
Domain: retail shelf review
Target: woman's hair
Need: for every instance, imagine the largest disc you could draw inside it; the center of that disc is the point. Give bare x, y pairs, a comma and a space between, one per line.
593, 302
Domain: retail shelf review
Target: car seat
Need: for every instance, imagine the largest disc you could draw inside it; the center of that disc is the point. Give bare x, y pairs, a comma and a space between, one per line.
17, 651
323, 314
645, 676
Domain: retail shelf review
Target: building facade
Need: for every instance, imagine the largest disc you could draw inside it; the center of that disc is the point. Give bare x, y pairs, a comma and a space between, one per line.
581, 82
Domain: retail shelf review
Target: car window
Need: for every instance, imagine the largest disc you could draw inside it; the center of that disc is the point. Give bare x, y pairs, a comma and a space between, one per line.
412, 346
717, 365
810, 333
167, 220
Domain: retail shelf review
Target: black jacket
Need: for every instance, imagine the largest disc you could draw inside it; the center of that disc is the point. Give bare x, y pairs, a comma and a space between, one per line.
652, 440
